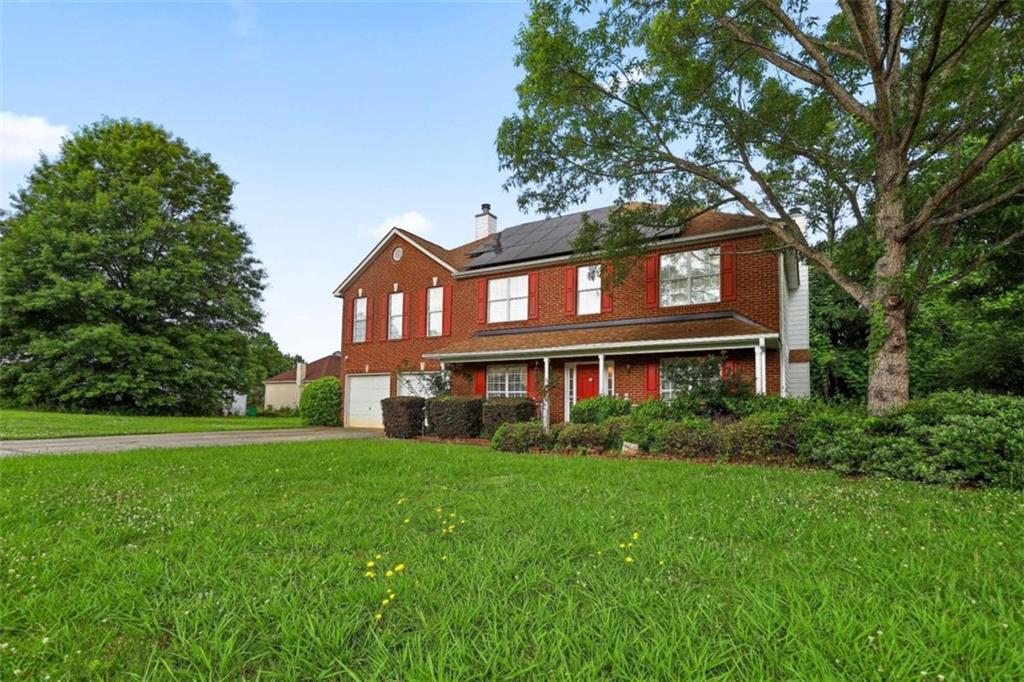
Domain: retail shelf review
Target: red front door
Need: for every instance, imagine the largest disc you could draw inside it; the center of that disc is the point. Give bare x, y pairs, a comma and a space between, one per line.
587, 382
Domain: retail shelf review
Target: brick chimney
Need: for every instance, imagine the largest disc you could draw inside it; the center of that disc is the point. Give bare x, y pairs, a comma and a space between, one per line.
486, 222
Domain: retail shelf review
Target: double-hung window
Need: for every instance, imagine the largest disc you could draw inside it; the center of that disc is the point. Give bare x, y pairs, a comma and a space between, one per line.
435, 311
689, 277
508, 299
506, 381
359, 320
588, 289
396, 307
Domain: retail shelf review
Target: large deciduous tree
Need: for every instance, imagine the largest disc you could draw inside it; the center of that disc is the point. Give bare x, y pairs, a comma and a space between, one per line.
901, 111
126, 285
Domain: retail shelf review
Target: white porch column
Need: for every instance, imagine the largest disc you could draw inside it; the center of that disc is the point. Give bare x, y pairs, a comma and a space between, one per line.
602, 380
760, 383
546, 407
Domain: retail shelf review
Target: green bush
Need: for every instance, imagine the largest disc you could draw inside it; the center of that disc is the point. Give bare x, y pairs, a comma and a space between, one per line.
520, 437
498, 411
596, 410
760, 437
687, 438
651, 410
320, 403
594, 437
403, 416
455, 416
950, 438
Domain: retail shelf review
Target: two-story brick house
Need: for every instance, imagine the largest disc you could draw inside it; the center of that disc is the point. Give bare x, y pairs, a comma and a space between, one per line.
516, 313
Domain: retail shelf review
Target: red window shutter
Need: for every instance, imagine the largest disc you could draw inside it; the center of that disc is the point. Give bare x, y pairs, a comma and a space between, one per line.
406, 317
651, 268
570, 290
727, 267
729, 368
653, 383
421, 313
606, 288
481, 301
446, 313
531, 382
533, 302
385, 313
369, 318
480, 381
350, 312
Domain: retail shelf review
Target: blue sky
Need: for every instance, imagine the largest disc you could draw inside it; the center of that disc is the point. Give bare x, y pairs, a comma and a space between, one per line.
335, 120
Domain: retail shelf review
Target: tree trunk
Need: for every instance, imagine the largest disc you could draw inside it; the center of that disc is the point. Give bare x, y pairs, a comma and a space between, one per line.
889, 370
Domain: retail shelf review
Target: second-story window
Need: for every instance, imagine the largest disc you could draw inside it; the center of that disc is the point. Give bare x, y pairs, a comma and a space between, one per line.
435, 311
588, 289
508, 299
689, 277
396, 304
359, 320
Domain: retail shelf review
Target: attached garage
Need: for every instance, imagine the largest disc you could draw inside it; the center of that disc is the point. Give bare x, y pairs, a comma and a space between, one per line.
363, 393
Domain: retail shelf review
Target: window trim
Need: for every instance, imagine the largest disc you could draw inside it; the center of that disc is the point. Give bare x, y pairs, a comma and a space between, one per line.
509, 298
688, 277
392, 316
505, 370
356, 319
439, 312
661, 379
580, 290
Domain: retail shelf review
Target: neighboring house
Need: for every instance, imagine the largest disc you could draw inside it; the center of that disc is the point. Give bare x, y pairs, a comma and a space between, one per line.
284, 389
515, 311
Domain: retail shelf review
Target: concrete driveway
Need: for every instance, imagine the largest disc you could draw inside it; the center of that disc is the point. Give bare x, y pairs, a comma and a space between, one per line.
68, 446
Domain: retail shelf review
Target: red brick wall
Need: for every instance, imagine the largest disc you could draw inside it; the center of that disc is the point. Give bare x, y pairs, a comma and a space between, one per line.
756, 298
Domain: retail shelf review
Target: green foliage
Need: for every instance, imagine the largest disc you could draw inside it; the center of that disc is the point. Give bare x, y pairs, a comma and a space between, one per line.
403, 416
520, 436
762, 437
686, 438
650, 410
597, 410
949, 438
586, 437
455, 416
320, 402
702, 390
498, 411
124, 283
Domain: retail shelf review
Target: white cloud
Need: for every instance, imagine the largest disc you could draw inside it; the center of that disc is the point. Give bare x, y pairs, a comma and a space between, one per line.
22, 138
411, 221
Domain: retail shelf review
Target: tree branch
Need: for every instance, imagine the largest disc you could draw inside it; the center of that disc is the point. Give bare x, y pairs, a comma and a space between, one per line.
981, 259
1016, 190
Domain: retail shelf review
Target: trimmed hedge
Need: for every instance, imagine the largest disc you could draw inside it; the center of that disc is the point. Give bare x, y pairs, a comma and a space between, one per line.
594, 437
498, 411
403, 416
320, 403
520, 437
691, 437
455, 416
597, 410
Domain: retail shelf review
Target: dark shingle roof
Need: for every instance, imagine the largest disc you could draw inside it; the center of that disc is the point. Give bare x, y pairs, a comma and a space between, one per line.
329, 366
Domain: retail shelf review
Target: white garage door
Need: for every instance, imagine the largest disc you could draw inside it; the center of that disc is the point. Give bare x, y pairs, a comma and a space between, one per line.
363, 393
415, 383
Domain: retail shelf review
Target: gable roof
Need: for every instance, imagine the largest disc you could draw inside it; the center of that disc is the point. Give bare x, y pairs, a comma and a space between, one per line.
328, 366
545, 238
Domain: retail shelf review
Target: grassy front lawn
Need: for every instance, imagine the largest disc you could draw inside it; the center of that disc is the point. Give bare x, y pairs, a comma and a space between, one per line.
237, 562
32, 424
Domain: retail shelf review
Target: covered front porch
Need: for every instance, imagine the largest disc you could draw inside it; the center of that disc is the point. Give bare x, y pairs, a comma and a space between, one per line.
559, 376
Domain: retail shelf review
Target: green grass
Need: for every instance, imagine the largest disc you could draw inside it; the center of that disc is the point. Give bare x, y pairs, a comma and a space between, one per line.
34, 424
224, 563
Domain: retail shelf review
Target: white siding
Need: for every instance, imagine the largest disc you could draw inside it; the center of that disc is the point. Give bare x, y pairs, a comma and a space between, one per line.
278, 395
798, 379
794, 321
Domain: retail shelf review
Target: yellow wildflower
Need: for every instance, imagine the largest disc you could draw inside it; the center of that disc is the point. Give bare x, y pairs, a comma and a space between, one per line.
636, 536
385, 602
378, 557
370, 574
369, 564
377, 616
622, 545
407, 521
399, 568
389, 574
629, 560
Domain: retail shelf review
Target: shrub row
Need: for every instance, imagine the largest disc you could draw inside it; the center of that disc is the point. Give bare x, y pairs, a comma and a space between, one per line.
452, 416
959, 438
